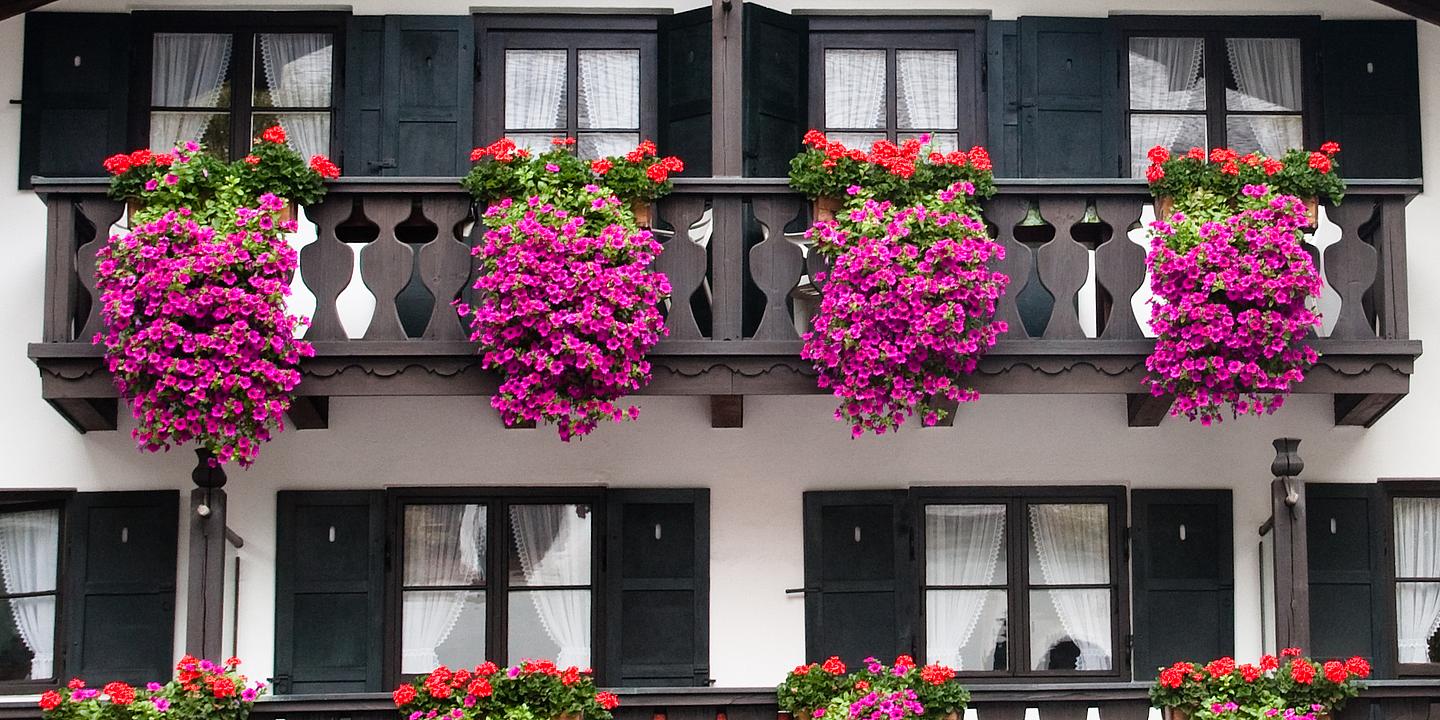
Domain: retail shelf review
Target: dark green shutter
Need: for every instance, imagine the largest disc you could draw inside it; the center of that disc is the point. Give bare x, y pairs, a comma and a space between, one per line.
1182, 567
859, 594
1372, 96
1069, 120
776, 76
409, 96
120, 585
1345, 535
77, 71
1003, 87
658, 587
329, 591
685, 89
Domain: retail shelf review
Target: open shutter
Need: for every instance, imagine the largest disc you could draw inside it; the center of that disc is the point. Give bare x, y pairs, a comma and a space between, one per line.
77, 71
658, 588
776, 52
329, 591
410, 93
1182, 567
859, 576
1345, 534
1069, 121
1003, 88
1372, 96
120, 585
685, 89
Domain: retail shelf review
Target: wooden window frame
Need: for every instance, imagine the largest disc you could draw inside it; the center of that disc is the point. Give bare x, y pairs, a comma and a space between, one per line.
1018, 585
19, 501
244, 27
496, 33
905, 33
1213, 31
1392, 489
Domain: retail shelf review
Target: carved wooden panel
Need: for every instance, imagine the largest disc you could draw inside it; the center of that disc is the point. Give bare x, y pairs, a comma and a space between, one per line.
1006, 212
445, 264
326, 266
683, 262
1350, 267
1120, 265
386, 265
1064, 264
776, 265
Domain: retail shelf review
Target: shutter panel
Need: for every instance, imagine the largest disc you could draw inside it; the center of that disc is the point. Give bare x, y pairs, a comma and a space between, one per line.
77, 74
329, 591
1344, 532
1003, 88
859, 579
1183, 567
120, 585
658, 588
1372, 96
685, 89
1069, 121
365, 149
776, 52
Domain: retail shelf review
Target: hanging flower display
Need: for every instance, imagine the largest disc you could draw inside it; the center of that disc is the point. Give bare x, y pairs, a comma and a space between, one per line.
535, 689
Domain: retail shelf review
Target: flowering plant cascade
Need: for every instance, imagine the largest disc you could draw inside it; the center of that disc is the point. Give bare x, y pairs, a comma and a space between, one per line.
531, 690
1288, 686
201, 690
1224, 173
197, 335
876, 692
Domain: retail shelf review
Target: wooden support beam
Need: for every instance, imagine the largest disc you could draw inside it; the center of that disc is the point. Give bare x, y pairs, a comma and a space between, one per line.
1365, 409
309, 412
1146, 410
727, 411
86, 414
1292, 565
205, 607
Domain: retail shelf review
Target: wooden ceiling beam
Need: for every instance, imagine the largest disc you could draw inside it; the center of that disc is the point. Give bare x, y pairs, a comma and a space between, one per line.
1427, 10
11, 8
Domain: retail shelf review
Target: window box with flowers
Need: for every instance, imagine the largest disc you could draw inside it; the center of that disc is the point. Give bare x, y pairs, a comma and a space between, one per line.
201, 690
531, 690
902, 691
1288, 687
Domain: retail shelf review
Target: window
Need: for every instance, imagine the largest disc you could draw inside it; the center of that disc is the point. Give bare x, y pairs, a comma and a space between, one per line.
29, 568
1416, 521
596, 87
212, 83
895, 80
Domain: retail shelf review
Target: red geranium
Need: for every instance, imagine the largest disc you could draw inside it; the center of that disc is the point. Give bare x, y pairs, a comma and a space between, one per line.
117, 164
601, 166
1269, 662
1196, 153
833, 666
1172, 677
49, 700
1358, 666
1330, 147
403, 695
607, 700
937, 674
1250, 672
1320, 161
274, 134
1158, 154
324, 167
1271, 166
1302, 671
1335, 671
1221, 667
479, 687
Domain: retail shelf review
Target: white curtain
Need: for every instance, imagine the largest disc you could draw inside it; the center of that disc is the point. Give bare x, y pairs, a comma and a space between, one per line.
535, 89
962, 547
1071, 544
1267, 77
855, 88
29, 561
609, 89
444, 546
298, 69
1417, 554
928, 97
554, 548
188, 71
1164, 75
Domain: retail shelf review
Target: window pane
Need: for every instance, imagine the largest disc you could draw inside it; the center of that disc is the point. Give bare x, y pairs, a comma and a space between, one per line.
861, 141
169, 129
442, 627
535, 84
1069, 544
550, 624
1070, 630
549, 545
534, 142
293, 69
966, 630
191, 70
1264, 74
29, 563
609, 89
939, 142
1417, 616
1270, 134
1417, 537
855, 88
965, 545
1177, 132
927, 90
1167, 73
598, 145
307, 133
444, 545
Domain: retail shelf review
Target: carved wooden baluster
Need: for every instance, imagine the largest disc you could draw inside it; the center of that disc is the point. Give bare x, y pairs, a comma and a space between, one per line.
1005, 212
1120, 265
386, 265
445, 264
1350, 266
683, 262
1064, 265
727, 257
101, 214
776, 265
326, 265
818, 267
1392, 297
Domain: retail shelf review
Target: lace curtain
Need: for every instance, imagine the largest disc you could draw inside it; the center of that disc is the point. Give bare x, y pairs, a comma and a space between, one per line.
855, 89
189, 71
553, 543
298, 70
928, 93
29, 562
1417, 554
444, 546
1267, 77
1165, 75
1072, 547
962, 547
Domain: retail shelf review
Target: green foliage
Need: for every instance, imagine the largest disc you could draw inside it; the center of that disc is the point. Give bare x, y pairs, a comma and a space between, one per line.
1223, 172
826, 690
504, 171
903, 174
532, 690
275, 168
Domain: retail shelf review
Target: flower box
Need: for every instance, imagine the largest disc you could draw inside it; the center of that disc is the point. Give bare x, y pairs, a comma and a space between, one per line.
825, 208
641, 210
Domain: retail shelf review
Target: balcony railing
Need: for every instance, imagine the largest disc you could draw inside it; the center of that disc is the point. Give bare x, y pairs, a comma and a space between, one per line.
387, 255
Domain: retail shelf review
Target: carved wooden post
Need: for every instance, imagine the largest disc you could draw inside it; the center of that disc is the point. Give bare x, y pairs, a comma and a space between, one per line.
205, 608
1292, 574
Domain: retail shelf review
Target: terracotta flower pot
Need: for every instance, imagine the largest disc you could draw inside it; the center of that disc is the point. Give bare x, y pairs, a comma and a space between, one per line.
1164, 208
571, 716
133, 206
826, 207
1174, 713
641, 210
1312, 219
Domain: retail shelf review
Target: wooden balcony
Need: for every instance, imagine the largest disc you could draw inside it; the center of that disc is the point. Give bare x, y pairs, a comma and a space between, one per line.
742, 296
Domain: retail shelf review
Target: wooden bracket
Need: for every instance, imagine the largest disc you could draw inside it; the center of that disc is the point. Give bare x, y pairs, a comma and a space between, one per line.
1146, 410
309, 412
1363, 409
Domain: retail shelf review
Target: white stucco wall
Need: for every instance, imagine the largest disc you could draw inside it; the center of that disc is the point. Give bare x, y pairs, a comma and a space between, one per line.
756, 474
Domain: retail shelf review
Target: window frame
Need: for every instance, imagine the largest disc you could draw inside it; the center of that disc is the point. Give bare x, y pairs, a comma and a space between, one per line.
1018, 585
19, 501
1213, 30
950, 32
1391, 490
244, 26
